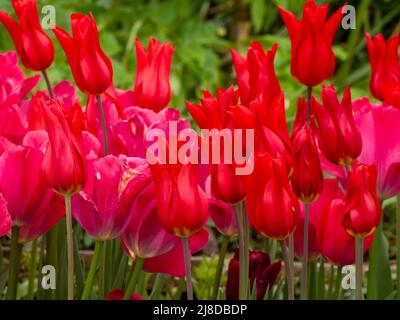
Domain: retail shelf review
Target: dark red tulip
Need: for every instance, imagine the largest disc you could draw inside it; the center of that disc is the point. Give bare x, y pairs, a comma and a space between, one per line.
272, 207
33, 45
153, 68
313, 60
262, 274
64, 164
338, 136
256, 74
363, 210
118, 294
91, 68
385, 68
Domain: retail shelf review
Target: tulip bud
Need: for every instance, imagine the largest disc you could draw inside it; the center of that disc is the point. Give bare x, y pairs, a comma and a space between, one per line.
33, 45
313, 60
91, 68
338, 137
363, 210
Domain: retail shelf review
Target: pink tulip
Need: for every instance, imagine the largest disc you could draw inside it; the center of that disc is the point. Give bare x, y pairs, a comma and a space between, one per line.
5, 218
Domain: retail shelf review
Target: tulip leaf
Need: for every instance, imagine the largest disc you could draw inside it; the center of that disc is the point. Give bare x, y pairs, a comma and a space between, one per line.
380, 283
257, 12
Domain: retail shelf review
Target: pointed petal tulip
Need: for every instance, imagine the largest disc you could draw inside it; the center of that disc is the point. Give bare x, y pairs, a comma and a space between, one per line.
152, 88
5, 218
33, 45
311, 38
63, 165
91, 68
338, 137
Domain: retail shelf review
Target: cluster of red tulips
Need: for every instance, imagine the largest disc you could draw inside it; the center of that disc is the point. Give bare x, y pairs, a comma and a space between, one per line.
317, 191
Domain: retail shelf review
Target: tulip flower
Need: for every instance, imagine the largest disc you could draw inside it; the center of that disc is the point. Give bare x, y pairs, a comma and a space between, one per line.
262, 275
313, 60
33, 45
385, 68
118, 294
338, 137
255, 73
153, 67
363, 210
91, 68
272, 206
5, 218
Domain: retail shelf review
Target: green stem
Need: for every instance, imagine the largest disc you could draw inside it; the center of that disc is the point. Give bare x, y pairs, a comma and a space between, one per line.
398, 248
48, 84
304, 270
134, 278
103, 124
309, 95
51, 254
157, 287
246, 236
338, 284
288, 271
242, 267
220, 266
13, 269
92, 270
188, 268
32, 270
70, 247
359, 267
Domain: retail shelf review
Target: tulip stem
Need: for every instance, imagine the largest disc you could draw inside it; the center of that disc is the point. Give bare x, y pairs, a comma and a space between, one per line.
242, 257
246, 237
13, 269
134, 278
309, 95
92, 270
32, 270
359, 267
288, 271
48, 84
304, 270
103, 124
398, 248
157, 287
188, 268
220, 266
70, 247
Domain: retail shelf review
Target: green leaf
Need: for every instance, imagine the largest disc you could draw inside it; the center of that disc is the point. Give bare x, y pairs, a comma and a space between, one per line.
380, 283
257, 12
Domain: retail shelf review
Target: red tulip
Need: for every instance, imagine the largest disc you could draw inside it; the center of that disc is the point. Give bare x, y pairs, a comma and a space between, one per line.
338, 137
5, 218
272, 207
32, 205
63, 164
306, 178
313, 60
385, 68
363, 210
334, 243
33, 45
255, 73
91, 68
262, 274
118, 294
153, 68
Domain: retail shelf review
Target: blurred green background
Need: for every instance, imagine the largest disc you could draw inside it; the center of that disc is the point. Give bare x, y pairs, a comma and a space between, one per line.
203, 32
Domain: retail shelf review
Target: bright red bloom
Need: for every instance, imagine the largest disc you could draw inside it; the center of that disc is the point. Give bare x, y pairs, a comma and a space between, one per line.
338, 137
363, 209
33, 45
153, 67
313, 60
385, 68
91, 68
118, 294
256, 74
306, 178
5, 218
272, 207
334, 243
262, 274
63, 164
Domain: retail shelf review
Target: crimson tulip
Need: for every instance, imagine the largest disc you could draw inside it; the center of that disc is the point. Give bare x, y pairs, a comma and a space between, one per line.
64, 164
272, 207
262, 274
313, 60
5, 218
33, 45
363, 209
118, 294
91, 68
338, 137
385, 68
152, 88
